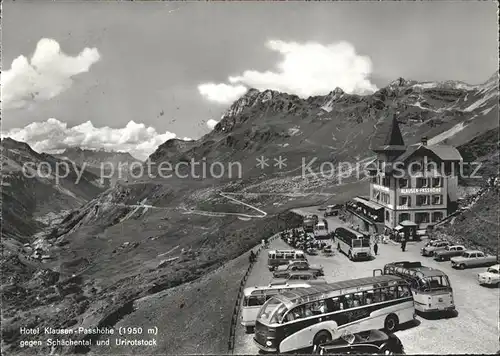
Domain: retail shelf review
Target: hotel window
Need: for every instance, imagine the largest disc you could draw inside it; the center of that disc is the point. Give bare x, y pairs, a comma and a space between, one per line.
422, 183
421, 218
423, 200
437, 199
386, 181
387, 215
404, 183
374, 179
436, 182
376, 195
416, 167
437, 216
404, 216
405, 200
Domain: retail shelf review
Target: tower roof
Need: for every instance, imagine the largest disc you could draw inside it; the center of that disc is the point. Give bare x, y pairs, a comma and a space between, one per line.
388, 136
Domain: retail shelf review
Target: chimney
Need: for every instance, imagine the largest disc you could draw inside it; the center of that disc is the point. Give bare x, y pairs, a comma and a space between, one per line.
424, 140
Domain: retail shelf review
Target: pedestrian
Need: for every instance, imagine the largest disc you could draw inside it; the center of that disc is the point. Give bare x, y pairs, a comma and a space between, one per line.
252, 256
262, 243
375, 248
403, 244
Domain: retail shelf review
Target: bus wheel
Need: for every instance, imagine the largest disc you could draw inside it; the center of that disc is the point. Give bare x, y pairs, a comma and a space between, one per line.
461, 266
391, 323
322, 338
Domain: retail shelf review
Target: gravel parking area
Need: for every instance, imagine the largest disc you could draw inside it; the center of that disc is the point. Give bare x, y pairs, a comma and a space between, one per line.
473, 331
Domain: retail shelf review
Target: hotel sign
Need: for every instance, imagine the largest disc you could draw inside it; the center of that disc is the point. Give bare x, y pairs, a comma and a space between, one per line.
420, 190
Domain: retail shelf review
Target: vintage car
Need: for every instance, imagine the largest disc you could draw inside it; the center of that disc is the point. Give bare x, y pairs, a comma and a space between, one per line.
433, 246
328, 250
370, 342
284, 270
312, 251
449, 252
473, 258
332, 210
300, 277
490, 277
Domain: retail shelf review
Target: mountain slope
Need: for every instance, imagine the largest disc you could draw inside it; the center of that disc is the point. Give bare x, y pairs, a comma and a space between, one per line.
30, 195
104, 164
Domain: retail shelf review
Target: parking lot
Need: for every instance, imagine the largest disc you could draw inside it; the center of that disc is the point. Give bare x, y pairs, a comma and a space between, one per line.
473, 331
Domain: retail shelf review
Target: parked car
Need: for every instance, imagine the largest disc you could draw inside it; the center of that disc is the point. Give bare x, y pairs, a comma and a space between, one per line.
328, 250
312, 251
433, 246
332, 210
300, 277
449, 252
473, 258
374, 342
284, 270
490, 277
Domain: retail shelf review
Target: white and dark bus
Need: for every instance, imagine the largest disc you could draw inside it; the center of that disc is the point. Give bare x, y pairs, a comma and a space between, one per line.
353, 243
431, 287
255, 297
302, 318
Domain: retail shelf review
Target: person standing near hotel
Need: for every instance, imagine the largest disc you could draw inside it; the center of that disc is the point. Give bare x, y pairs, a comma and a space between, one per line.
375, 248
403, 244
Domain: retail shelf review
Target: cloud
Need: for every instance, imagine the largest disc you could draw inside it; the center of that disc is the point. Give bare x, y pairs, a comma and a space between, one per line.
305, 69
211, 123
47, 74
53, 135
221, 93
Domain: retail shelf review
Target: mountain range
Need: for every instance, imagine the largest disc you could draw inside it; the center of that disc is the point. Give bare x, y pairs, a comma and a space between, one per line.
152, 233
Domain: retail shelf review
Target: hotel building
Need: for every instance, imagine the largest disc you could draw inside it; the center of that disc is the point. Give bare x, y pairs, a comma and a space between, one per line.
411, 186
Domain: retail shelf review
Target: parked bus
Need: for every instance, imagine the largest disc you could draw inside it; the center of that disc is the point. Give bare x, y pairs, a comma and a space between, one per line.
320, 231
299, 319
308, 224
277, 258
255, 297
431, 287
353, 243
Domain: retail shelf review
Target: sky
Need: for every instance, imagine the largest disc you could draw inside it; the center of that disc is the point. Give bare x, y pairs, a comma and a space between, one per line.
130, 75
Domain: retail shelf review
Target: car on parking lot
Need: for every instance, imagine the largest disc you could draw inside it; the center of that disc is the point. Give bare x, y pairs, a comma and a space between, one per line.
490, 277
300, 276
449, 252
433, 246
301, 265
473, 258
370, 342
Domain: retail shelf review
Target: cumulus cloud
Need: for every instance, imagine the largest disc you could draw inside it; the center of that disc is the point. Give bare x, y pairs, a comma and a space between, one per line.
221, 93
305, 69
53, 135
211, 123
47, 74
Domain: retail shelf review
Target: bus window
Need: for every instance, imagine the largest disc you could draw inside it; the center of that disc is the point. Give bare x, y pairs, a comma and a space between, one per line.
278, 315
392, 293
268, 308
377, 298
356, 243
403, 291
272, 255
336, 305
369, 297
358, 299
347, 301
280, 255
438, 282
255, 300
289, 256
365, 243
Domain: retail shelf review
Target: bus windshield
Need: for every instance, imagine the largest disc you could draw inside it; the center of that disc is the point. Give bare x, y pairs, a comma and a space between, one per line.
428, 284
254, 300
361, 243
268, 314
366, 242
